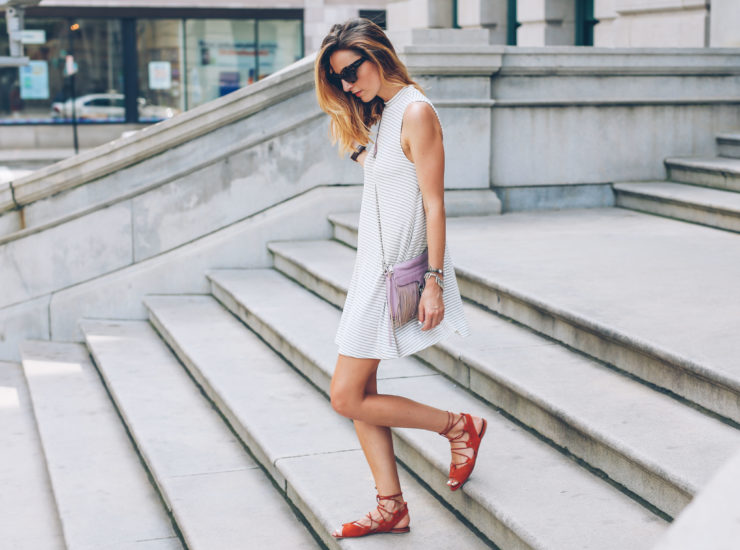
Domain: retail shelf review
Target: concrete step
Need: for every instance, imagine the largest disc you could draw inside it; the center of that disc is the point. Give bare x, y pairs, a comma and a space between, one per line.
718, 172
311, 452
729, 145
691, 203
216, 492
29, 518
94, 469
640, 438
570, 504
613, 284
344, 227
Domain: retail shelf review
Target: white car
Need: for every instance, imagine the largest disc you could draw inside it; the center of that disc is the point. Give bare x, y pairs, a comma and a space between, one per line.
108, 106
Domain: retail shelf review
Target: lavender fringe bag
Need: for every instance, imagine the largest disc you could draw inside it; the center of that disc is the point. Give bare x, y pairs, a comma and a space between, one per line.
404, 283
403, 286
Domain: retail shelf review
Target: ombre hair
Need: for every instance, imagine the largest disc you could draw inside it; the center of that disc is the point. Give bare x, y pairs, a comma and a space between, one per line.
350, 117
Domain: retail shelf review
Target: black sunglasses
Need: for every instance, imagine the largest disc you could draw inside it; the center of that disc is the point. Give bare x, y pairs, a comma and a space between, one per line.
349, 73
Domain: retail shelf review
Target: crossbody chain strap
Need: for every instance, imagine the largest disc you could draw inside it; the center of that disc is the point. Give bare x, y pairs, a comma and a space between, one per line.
386, 267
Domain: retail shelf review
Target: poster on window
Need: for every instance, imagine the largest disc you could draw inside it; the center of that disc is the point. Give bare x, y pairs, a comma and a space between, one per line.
34, 79
238, 55
160, 75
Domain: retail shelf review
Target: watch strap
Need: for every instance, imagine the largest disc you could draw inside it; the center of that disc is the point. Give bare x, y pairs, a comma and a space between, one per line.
357, 152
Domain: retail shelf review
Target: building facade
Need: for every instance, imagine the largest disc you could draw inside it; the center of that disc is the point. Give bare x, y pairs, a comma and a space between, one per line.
138, 62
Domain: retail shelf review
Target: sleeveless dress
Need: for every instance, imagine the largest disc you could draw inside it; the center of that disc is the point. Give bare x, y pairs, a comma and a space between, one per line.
365, 329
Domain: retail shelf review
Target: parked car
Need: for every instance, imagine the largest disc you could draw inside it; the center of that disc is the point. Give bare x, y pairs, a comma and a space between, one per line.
108, 106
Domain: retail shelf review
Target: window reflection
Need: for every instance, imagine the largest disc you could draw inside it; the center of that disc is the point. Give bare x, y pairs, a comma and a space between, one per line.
219, 56
178, 64
280, 44
160, 61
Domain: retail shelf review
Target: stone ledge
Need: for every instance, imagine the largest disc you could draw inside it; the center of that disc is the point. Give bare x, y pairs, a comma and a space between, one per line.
613, 102
703, 198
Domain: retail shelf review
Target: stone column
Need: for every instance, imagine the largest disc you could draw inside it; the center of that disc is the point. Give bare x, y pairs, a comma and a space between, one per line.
320, 15
314, 28
546, 22
488, 14
659, 23
404, 15
604, 30
724, 24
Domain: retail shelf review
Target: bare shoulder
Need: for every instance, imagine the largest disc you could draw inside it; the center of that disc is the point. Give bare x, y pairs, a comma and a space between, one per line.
420, 129
420, 117
420, 126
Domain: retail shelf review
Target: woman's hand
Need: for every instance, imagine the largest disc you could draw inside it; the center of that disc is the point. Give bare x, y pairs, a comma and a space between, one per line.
431, 306
361, 157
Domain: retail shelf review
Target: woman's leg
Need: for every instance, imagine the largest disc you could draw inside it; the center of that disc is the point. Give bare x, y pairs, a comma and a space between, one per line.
377, 446
350, 397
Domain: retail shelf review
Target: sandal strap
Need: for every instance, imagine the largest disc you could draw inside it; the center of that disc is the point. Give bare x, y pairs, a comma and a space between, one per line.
386, 510
376, 524
450, 423
457, 439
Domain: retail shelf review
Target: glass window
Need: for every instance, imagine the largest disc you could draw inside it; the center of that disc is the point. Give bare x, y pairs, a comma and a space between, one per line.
219, 57
376, 16
280, 44
42, 92
158, 44
180, 64
27, 93
96, 47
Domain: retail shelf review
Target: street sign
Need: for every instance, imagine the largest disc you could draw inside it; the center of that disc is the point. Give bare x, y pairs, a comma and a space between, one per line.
70, 67
33, 36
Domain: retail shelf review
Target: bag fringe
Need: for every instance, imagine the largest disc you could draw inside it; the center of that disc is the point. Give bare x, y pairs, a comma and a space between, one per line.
408, 303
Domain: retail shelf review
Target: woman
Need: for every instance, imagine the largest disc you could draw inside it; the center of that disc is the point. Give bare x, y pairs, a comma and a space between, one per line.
360, 81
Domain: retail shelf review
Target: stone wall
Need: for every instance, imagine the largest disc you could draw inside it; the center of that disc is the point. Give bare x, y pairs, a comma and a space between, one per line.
653, 23
562, 123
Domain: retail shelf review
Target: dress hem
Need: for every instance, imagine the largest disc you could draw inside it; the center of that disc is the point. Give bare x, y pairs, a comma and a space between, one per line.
449, 331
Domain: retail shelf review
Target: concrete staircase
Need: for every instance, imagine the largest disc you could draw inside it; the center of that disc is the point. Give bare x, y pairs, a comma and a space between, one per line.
145, 467
211, 418
699, 190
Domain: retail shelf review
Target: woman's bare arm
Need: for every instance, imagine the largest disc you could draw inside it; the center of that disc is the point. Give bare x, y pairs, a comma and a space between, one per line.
421, 137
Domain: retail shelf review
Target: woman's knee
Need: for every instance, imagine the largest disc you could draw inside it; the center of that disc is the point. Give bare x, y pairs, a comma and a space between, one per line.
349, 384
342, 401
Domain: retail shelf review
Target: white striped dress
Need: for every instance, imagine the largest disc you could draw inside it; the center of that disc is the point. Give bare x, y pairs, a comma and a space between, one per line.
364, 328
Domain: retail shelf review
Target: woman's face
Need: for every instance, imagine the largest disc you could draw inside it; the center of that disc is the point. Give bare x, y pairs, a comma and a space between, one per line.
368, 79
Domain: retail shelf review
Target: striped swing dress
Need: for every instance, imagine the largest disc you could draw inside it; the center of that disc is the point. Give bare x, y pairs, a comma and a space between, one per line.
365, 329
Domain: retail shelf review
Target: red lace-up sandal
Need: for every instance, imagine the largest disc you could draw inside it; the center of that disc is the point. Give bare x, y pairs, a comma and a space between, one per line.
459, 473
356, 529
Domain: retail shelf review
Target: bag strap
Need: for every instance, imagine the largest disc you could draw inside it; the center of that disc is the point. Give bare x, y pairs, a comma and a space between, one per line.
380, 230
386, 267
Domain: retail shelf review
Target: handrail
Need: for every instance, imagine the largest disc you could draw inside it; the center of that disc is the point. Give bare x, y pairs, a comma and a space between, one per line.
152, 140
